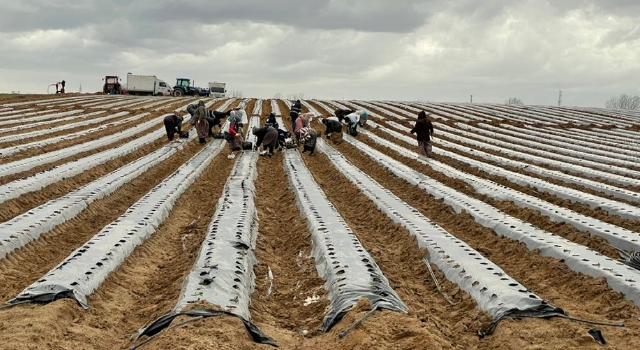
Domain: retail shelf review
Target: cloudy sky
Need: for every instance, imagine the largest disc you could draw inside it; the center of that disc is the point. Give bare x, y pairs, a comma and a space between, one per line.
433, 50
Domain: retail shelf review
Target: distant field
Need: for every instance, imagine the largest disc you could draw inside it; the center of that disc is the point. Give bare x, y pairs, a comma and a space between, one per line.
519, 213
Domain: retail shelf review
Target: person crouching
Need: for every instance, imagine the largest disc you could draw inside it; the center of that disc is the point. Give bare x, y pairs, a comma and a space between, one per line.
267, 136
308, 137
333, 130
173, 125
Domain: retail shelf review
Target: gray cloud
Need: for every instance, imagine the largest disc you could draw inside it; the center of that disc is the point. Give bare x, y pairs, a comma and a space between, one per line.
432, 50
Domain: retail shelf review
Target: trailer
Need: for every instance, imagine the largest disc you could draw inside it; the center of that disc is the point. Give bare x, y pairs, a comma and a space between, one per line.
217, 90
147, 85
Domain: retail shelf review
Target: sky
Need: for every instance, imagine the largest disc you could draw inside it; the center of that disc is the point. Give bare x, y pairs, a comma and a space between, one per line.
427, 50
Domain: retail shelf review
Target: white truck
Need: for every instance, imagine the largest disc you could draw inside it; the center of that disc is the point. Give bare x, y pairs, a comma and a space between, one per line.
147, 85
217, 90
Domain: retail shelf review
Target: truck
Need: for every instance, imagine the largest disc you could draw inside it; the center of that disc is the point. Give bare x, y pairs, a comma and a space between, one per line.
217, 90
112, 85
147, 85
183, 88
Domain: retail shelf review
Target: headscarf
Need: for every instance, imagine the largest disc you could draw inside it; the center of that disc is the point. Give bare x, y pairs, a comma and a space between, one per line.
422, 115
307, 118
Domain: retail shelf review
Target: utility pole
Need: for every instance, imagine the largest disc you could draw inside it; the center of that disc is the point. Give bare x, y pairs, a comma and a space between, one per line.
80, 88
472, 99
560, 99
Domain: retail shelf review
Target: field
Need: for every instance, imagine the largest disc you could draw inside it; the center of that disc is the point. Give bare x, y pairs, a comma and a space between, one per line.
511, 229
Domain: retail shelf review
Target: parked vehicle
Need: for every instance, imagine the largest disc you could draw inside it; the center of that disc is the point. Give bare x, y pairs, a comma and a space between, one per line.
183, 88
147, 85
112, 85
217, 90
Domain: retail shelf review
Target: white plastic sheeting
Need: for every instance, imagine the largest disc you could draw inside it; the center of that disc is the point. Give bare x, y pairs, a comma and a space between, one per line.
542, 185
341, 260
87, 267
15, 104
37, 116
223, 273
45, 158
611, 206
531, 158
494, 291
615, 235
257, 108
40, 143
577, 154
85, 120
40, 180
24, 228
579, 258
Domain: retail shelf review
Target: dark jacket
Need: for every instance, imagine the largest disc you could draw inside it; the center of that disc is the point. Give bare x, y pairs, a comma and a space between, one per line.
272, 120
341, 113
332, 126
218, 115
296, 108
260, 133
423, 128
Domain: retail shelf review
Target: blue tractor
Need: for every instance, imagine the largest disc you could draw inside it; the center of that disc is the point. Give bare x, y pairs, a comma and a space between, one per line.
183, 88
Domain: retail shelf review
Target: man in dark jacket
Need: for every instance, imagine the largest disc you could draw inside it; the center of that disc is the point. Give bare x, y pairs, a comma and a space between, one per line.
341, 113
271, 120
214, 118
267, 136
424, 131
173, 125
333, 130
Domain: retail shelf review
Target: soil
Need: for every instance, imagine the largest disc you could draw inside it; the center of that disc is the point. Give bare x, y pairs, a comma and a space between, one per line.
149, 282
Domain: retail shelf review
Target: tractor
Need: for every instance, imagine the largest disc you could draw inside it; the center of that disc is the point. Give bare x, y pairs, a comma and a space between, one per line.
183, 88
112, 85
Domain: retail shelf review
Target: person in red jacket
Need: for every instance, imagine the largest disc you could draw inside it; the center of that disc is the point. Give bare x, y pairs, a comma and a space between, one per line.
424, 132
233, 135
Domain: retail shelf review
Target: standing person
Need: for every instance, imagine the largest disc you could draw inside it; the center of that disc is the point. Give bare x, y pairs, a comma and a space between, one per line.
57, 91
333, 130
233, 138
424, 131
201, 123
267, 136
296, 108
309, 137
63, 83
173, 125
352, 123
340, 113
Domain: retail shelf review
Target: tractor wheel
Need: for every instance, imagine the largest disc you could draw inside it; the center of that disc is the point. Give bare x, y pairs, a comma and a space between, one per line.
178, 92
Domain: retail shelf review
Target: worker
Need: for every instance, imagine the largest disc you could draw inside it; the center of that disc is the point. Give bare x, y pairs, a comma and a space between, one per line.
62, 83
340, 113
271, 120
352, 123
333, 130
308, 137
201, 123
283, 136
296, 108
214, 118
267, 136
236, 116
424, 132
363, 116
192, 108
233, 137
173, 125
57, 91
306, 119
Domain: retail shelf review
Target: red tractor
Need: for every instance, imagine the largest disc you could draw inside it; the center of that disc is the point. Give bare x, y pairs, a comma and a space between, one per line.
112, 85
